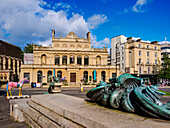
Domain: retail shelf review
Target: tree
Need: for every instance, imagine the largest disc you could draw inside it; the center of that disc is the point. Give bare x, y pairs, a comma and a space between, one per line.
27, 49
164, 71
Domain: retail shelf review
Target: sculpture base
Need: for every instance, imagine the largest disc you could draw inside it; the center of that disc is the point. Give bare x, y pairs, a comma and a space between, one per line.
18, 97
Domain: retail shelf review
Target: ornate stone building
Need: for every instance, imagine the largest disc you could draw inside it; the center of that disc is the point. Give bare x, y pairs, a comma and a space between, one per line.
71, 57
10, 61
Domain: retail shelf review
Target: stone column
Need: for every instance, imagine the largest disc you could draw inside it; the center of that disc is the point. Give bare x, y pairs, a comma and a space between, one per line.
61, 59
68, 59
75, 57
14, 66
4, 62
18, 67
82, 59
9, 63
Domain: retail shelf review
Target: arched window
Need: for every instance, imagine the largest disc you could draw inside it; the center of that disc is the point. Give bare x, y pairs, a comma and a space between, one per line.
59, 74
39, 76
71, 59
43, 59
64, 60
86, 75
79, 60
86, 60
57, 60
49, 76
98, 60
103, 75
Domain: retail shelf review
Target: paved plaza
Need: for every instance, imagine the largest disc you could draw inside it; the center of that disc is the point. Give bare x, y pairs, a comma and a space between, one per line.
6, 121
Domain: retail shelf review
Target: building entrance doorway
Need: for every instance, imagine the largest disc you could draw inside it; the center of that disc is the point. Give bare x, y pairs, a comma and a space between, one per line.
72, 77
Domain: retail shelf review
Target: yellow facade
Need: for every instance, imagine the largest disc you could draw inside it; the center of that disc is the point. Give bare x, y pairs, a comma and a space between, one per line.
142, 57
69, 57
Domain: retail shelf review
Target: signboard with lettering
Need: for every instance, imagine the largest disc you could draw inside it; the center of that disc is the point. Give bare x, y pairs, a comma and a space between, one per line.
28, 58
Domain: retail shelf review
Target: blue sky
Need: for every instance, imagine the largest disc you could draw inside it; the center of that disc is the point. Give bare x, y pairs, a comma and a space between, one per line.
24, 21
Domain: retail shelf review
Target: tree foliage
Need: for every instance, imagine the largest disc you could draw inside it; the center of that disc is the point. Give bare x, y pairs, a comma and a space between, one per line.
27, 49
164, 71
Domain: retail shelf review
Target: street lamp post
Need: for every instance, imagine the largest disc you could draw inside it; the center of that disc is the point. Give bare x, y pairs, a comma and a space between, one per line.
116, 60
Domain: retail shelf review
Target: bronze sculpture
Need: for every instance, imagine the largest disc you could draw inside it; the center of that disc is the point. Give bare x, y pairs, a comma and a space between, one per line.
130, 94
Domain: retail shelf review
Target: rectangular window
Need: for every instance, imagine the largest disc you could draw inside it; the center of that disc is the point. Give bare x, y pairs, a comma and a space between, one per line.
139, 60
155, 54
122, 66
148, 70
147, 46
155, 47
139, 45
156, 62
147, 61
139, 53
140, 70
147, 53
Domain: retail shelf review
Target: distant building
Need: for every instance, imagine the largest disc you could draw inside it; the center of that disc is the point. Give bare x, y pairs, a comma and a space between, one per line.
10, 61
69, 57
136, 57
165, 48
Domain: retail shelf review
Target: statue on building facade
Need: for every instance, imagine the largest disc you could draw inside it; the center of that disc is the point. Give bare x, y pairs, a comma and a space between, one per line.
130, 94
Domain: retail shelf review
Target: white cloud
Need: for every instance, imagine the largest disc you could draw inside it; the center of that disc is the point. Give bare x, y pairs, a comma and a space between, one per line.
96, 20
45, 43
138, 7
163, 42
103, 43
27, 21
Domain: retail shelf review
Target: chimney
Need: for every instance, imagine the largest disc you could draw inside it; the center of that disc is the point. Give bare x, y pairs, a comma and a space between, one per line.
53, 33
129, 39
154, 42
88, 35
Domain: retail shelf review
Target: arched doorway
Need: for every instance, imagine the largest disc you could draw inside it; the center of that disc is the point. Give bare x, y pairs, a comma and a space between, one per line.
39, 76
49, 76
59, 74
86, 75
103, 76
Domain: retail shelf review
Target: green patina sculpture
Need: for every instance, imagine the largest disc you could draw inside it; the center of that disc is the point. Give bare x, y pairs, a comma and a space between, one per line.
51, 86
128, 93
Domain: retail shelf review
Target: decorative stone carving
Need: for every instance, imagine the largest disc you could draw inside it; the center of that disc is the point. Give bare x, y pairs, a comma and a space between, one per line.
86, 46
72, 46
56, 45
64, 45
79, 46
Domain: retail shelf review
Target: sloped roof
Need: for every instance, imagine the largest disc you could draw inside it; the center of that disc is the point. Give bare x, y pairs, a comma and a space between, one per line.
10, 50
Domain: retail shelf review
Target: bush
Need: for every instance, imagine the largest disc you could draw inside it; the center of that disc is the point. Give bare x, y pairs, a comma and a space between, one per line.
44, 83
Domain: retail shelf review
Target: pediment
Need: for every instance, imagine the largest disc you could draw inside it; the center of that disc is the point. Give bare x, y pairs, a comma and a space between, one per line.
71, 35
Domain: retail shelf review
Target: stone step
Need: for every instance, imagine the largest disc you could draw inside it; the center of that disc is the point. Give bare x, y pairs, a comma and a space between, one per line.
60, 120
59, 110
